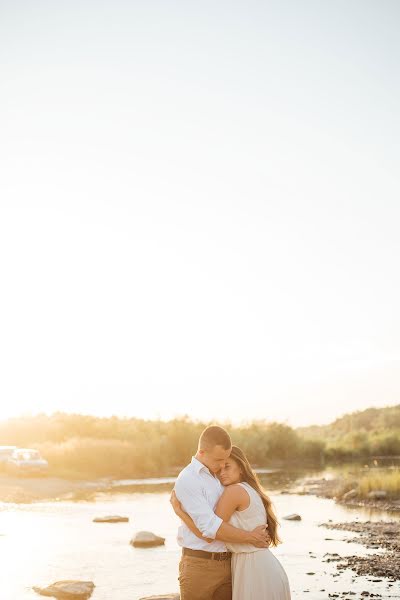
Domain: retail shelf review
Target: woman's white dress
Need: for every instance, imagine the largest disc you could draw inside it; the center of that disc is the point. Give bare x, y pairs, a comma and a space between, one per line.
256, 573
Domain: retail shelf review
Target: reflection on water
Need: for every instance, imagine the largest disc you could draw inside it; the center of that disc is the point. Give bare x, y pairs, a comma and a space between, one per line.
48, 541
148, 481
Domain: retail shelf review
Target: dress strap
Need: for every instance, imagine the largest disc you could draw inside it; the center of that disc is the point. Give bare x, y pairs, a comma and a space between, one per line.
249, 489
246, 485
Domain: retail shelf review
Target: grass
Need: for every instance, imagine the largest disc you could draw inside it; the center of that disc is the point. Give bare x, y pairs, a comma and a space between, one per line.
389, 481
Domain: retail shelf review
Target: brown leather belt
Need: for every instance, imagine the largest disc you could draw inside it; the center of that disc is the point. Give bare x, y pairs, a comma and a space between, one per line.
208, 555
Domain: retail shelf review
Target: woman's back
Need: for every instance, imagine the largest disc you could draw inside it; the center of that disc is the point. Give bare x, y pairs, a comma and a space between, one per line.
248, 519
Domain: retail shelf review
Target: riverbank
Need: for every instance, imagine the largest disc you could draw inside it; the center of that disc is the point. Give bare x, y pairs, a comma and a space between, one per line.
26, 490
35, 489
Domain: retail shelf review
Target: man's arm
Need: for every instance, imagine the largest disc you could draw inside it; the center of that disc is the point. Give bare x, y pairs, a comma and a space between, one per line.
193, 502
187, 519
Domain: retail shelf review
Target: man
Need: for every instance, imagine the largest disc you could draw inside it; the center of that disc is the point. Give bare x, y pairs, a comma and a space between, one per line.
205, 567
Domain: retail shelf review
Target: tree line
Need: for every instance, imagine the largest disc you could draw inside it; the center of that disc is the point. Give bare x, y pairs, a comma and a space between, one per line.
87, 446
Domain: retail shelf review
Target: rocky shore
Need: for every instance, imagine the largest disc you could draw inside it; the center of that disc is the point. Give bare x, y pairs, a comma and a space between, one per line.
380, 536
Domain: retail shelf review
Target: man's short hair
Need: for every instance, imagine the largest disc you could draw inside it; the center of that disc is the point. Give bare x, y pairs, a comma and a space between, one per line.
214, 436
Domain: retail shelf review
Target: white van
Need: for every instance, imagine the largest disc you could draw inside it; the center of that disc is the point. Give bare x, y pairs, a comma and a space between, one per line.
26, 461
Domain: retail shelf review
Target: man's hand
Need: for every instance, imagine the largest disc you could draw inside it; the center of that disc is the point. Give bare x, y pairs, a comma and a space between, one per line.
259, 537
176, 505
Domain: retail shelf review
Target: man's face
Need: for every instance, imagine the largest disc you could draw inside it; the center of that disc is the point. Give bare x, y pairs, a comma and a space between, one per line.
215, 458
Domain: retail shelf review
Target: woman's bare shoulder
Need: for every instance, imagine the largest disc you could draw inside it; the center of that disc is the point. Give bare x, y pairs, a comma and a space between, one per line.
235, 491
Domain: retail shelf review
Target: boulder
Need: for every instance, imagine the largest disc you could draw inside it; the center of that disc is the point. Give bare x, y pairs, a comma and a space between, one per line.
68, 590
294, 517
350, 495
111, 519
377, 494
146, 539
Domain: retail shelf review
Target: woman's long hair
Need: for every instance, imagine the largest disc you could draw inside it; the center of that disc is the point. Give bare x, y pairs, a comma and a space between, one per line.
251, 478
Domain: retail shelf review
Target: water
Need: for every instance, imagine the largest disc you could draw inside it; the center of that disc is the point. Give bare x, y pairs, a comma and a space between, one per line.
48, 541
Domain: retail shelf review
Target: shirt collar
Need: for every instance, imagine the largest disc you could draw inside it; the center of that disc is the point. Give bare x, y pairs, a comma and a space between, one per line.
198, 466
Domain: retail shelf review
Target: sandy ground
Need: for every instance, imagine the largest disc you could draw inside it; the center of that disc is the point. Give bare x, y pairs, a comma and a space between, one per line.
33, 489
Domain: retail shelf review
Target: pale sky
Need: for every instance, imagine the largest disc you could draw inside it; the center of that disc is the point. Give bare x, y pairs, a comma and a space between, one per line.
199, 208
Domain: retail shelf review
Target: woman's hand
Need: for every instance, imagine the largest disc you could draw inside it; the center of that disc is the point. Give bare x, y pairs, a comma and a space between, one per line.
176, 505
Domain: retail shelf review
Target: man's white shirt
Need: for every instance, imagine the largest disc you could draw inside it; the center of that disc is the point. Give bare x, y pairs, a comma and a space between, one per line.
198, 491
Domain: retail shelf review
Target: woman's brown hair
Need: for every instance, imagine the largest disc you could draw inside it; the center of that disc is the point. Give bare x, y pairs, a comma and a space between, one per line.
250, 477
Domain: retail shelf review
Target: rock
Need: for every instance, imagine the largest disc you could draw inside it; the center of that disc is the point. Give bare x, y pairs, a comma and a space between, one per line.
293, 517
377, 494
350, 495
146, 539
111, 519
167, 597
68, 590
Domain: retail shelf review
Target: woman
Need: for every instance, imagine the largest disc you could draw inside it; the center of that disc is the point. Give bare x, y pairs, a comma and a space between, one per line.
256, 572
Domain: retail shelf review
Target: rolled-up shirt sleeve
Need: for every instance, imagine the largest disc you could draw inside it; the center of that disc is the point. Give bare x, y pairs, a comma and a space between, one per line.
195, 504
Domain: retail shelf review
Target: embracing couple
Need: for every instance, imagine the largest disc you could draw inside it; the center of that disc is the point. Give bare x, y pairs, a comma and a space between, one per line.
228, 523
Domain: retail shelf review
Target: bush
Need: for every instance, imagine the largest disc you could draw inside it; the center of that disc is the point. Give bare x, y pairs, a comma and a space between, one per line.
88, 446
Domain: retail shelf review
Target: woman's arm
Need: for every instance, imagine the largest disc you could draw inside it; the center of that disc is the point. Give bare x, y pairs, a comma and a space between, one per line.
234, 498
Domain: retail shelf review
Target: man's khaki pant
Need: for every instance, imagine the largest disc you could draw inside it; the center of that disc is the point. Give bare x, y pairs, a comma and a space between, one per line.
205, 579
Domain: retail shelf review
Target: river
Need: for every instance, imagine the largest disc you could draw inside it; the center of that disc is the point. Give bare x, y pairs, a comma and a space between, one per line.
48, 541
